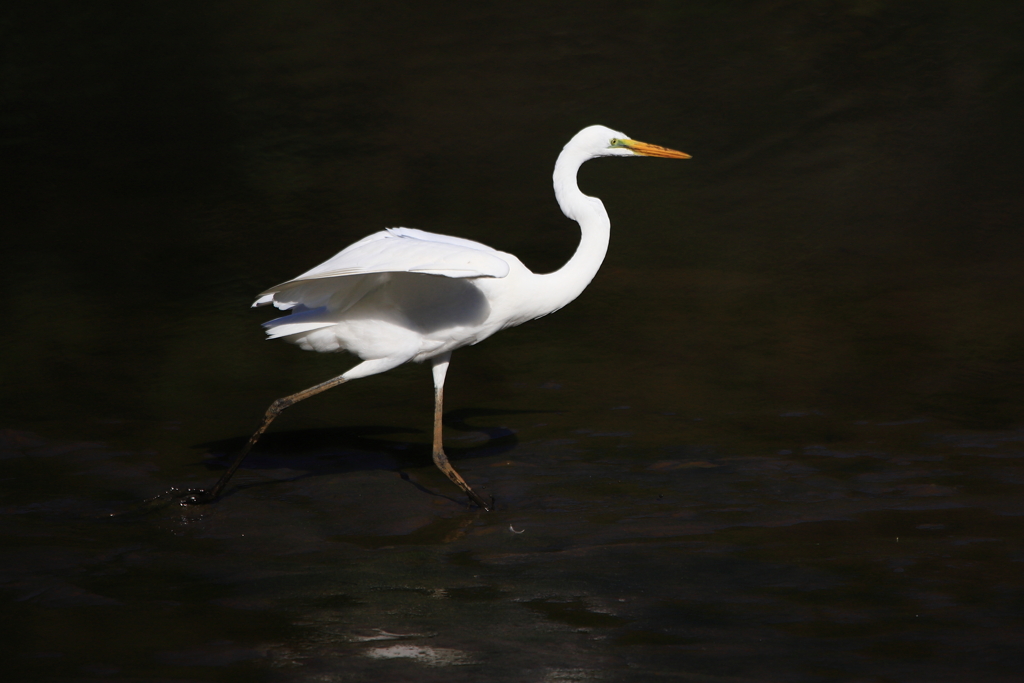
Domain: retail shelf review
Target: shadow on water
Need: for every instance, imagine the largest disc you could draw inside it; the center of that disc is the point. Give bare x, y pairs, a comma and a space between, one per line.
348, 449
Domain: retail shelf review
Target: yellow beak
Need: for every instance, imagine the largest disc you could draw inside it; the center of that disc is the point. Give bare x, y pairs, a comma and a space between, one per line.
648, 150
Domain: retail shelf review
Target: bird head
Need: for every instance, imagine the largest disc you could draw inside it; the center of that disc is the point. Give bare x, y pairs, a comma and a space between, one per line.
600, 141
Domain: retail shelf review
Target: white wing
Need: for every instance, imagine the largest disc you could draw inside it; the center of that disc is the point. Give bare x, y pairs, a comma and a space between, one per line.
361, 267
412, 251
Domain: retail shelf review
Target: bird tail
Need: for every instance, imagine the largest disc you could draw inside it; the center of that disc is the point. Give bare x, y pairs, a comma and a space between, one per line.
299, 321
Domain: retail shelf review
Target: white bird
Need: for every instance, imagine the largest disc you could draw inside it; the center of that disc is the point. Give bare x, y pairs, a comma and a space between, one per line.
404, 295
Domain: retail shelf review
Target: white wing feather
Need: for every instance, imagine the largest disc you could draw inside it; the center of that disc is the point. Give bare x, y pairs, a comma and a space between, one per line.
339, 281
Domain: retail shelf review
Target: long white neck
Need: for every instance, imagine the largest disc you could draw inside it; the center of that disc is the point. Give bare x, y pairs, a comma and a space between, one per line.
569, 281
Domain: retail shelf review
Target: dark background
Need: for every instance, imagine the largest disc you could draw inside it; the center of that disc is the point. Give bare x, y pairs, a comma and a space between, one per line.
847, 235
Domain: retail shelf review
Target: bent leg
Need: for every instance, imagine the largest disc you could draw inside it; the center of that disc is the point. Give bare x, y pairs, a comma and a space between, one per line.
364, 369
440, 459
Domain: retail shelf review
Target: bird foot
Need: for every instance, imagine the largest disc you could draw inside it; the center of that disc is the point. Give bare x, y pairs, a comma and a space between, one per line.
193, 497
480, 501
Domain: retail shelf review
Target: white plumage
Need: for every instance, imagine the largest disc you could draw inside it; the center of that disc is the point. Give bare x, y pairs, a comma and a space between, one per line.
403, 295
400, 284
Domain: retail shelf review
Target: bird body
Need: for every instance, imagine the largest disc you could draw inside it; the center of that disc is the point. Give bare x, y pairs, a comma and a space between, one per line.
440, 293
404, 295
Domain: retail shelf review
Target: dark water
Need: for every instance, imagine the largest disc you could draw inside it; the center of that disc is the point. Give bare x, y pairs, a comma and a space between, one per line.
780, 437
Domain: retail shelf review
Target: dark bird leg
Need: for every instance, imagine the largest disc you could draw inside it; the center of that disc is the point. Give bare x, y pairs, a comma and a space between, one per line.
275, 409
440, 459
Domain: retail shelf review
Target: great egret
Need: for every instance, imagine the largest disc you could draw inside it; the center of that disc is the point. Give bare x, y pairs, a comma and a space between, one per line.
404, 295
